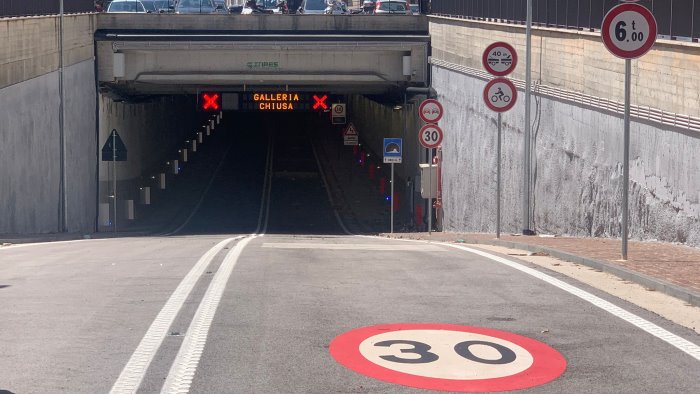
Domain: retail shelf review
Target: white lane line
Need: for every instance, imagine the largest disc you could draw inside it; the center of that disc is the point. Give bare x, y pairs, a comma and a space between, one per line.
684, 345
372, 247
185, 365
131, 376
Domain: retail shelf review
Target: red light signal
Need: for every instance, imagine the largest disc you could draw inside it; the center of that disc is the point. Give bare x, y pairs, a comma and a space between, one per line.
209, 101
320, 102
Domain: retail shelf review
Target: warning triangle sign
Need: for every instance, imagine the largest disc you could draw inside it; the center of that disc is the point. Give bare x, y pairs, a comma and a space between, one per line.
351, 130
114, 148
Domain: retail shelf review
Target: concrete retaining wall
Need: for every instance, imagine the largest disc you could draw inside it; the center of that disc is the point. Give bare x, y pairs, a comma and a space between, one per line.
578, 169
30, 152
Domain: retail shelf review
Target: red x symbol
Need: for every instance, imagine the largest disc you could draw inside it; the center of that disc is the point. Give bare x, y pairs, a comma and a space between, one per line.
211, 101
320, 102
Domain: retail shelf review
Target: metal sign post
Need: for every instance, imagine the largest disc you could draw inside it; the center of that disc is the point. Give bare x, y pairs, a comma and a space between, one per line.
430, 136
430, 186
391, 230
114, 150
498, 180
500, 59
393, 151
628, 32
114, 173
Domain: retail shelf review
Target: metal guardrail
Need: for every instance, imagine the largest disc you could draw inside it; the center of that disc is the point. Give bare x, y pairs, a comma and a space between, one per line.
677, 19
640, 112
43, 7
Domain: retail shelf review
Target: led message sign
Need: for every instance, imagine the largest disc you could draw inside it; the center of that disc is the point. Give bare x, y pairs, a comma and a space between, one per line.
284, 101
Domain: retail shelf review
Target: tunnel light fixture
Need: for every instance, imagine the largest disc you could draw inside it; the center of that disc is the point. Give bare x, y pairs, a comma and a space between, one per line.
398, 108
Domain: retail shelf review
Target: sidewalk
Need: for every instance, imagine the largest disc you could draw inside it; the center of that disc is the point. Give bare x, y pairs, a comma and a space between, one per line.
664, 267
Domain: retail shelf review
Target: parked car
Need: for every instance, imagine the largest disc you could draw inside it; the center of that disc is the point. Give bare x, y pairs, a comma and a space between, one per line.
262, 7
198, 7
311, 7
368, 6
415, 9
122, 6
392, 7
336, 7
158, 6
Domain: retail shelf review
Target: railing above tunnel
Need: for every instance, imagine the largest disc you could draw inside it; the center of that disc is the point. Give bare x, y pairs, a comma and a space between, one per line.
677, 19
43, 7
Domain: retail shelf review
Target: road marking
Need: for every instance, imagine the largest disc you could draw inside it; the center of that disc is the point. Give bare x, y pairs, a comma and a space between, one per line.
185, 365
131, 376
17, 246
684, 345
448, 357
373, 247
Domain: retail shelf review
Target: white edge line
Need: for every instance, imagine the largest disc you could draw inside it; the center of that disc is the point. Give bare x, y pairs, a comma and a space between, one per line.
674, 340
131, 376
185, 365
18, 246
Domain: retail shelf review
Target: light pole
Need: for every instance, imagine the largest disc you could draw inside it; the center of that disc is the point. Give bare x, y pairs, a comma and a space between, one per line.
62, 219
526, 146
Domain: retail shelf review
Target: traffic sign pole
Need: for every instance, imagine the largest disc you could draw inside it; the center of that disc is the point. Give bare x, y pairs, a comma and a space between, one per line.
628, 32
391, 209
430, 183
114, 171
626, 160
498, 180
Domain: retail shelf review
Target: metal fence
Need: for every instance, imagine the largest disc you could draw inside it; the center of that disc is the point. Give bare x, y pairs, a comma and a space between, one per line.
43, 7
676, 18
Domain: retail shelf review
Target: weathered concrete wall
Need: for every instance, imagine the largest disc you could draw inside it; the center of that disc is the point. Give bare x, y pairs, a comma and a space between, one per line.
29, 47
30, 152
667, 78
578, 169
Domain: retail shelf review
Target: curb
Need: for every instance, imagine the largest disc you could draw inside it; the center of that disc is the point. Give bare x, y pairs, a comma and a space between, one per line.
649, 282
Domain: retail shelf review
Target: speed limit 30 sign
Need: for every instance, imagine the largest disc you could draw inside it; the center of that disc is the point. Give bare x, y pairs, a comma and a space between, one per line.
448, 357
430, 136
629, 30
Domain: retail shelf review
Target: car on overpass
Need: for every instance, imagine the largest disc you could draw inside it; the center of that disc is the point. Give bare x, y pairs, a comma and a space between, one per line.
198, 7
392, 7
312, 7
123, 6
158, 6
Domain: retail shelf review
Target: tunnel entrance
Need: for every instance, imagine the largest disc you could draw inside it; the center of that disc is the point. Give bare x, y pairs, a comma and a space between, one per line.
245, 170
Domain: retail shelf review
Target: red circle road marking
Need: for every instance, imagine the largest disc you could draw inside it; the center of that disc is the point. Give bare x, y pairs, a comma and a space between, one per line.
544, 365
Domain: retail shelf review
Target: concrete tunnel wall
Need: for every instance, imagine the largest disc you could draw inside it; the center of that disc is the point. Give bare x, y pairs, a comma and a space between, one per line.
153, 132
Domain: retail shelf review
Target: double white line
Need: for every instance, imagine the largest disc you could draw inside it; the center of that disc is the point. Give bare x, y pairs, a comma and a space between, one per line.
185, 365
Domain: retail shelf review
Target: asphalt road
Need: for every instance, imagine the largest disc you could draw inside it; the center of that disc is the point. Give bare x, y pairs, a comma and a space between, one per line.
241, 301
